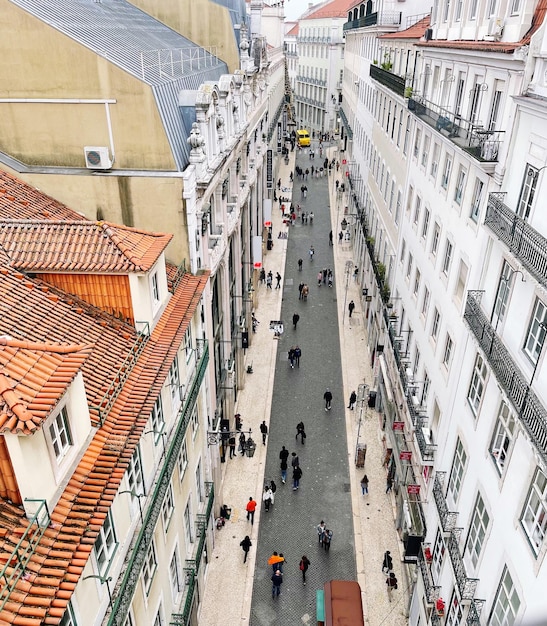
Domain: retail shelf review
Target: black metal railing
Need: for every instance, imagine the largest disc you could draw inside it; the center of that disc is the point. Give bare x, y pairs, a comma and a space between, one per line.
474, 612
531, 412
480, 143
466, 585
431, 591
388, 79
379, 18
529, 246
427, 449
345, 121
123, 593
448, 518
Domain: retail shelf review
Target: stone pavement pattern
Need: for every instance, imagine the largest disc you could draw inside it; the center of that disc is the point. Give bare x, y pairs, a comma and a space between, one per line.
364, 525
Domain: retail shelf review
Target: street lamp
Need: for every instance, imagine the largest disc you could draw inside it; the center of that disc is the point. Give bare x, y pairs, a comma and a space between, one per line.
138, 496
161, 433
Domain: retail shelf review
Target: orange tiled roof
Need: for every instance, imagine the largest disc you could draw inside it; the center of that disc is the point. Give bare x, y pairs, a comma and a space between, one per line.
80, 246
41, 596
336, 8
293, 32
416, 31
20, 201
503, 47
33, 377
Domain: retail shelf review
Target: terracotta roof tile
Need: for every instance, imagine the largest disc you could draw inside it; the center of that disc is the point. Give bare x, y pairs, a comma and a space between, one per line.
79, 246
416, 31
293, 32
81, 510
336, 8
20, 201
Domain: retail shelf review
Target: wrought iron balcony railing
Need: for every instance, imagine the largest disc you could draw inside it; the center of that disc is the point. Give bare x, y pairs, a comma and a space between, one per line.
431, 591
124, 591
466, 585
480, 143
448, 518
379, 18
474, 612
529, 246
388, 79
345, 121
531, 412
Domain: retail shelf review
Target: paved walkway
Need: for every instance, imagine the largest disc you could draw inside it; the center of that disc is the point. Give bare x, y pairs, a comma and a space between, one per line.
363, 525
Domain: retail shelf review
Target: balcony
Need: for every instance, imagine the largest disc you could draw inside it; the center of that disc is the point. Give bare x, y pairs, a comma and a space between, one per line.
483, 145
474, 612
346, 123
524, 242
388, 79
448, 518
379, 18
531, 412
431, 591
122, 595
466, 585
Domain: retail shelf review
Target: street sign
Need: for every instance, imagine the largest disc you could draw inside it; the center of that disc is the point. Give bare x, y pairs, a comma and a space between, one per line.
413, 489
398, 426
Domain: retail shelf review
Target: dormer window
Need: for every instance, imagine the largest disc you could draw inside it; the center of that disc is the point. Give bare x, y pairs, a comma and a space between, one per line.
155, 289
59, 432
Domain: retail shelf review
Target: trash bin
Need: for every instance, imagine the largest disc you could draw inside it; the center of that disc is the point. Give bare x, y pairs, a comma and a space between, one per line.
250, 447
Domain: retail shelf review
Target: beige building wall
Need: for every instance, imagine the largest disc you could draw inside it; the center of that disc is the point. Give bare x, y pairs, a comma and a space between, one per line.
202, 21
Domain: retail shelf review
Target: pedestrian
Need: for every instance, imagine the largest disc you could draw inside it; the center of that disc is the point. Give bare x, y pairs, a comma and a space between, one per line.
319, 278
267, 497
273, 488
352, 400
291, 177
327, 396
279, 184
264, 431
330, 238
291, 356
276, 561
269, 280
300, 431
340, 236
263, 276
278, 281
283, 453
321, 531
337, 184
302, 191
283, 466
296, 476
295, 319
245, 546
300, 263
351, 306
242, 443
389, 484
277, 580
355, 273
305, 291
387, 563
391, 582
232, 444
329, 278
364, 484
237, 418
305, 191
251, 508
325, 272
300, 287
327, 537
311, 252
304, 564
311, 216
295, 461
297, 355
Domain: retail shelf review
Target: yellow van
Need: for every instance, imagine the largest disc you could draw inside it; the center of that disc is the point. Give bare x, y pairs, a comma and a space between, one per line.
303, 138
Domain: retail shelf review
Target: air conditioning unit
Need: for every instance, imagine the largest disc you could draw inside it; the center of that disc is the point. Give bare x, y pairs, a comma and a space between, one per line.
428, 34
97, 158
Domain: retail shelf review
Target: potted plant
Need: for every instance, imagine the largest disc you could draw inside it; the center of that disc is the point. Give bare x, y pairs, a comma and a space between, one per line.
408, 92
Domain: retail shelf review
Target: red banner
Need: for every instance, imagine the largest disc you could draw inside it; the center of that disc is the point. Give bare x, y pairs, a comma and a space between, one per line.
398, 425
413, 489
405, 455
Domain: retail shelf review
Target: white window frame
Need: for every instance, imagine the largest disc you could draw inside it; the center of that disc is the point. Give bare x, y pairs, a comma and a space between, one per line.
183, 460
435, 161
157, 420
527, 191
507, 603
477, 384
502, 295
158, 619
537, 328
188, 343
60, 435
106, 544
175, 575
435, 324
448, 351
460, 185
503, 437
417, 280
477, 530
167, 508
439, 550
417, 143
135, 475
447, 170
534, 514
188, 523
425, 389
155, 289
425, 223
459, 463
200, 487
447, 258
435, 240
425, 151
69, 617
425, 302
195, 421
149, 567
476, 200
417, 210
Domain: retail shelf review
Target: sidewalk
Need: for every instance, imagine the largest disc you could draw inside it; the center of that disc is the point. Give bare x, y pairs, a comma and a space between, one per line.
228, 590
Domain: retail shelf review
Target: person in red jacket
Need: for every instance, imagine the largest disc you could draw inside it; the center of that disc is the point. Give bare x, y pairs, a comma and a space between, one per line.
251, 508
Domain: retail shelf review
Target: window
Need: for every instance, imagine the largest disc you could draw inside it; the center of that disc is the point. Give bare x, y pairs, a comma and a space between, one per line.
458, 467
409, 267
477, 530
417, 278
59, 432
135, 478
506, 604
158, 620
458, 11
435, 160
155, 288
129, 620
446, 11
534, 515
435, 324
425, 302
515, 7
425, 150
425, 389
417, 209
445, 180
460, 283
476, 201
448, 348
188, 528
174, 383
473, 9
460, 185
495, 107
409, 198
478, 383
199, 483
149, 567
492, 6
175, 576
447, 259
459, 94
195, 421
407, 135
167, 508
435, 239
535, 338
68, 618
403, 251
502, 295
398, 207
502, 438
188, 343
527, 191
417, 141
183, 460
439, 550
417, 358
157, 420
105, 544
425, 223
